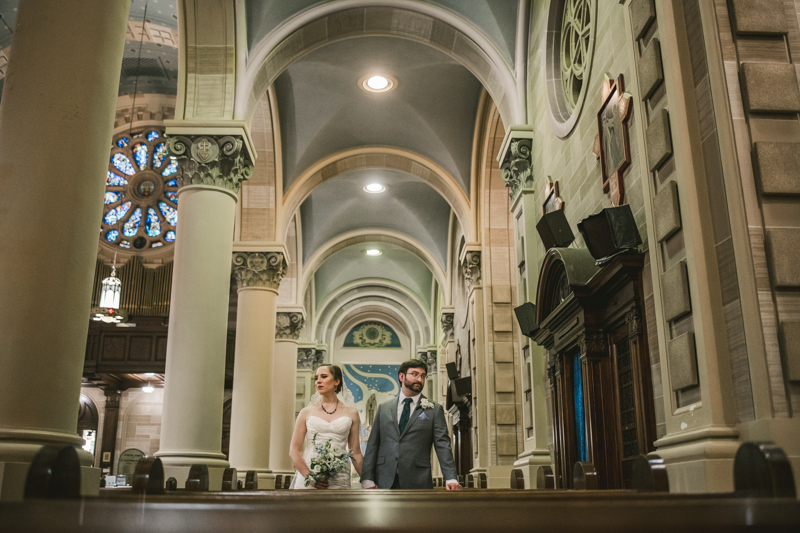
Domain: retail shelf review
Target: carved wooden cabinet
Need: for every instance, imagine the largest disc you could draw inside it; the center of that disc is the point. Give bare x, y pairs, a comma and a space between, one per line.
598, 363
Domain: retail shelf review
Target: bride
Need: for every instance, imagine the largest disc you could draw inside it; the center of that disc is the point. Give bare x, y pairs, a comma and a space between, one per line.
328, 418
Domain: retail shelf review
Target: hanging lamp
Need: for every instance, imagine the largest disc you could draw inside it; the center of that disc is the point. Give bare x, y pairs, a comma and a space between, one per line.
108, 310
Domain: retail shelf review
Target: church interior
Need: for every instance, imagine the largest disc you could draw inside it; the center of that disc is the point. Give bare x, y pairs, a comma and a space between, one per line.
582, 215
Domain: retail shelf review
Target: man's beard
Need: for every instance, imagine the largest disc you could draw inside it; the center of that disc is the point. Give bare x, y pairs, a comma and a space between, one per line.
416, 387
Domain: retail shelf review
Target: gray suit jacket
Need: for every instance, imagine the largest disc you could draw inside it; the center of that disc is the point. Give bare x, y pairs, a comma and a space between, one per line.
408, 454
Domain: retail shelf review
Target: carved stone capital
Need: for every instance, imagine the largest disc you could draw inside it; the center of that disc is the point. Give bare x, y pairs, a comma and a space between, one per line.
593, 343
211, 160
259, 269
516, 168
430, 359
471, 265
309, 358
288, 325
112, 399
448, 318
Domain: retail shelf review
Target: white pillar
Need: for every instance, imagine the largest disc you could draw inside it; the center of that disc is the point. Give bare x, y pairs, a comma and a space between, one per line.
191, 428
50, 210
258, 276
284, 378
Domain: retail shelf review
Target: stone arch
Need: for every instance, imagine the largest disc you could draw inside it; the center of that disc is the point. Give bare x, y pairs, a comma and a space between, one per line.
373, 235
374, 307
372, 288
377, 157
423, 23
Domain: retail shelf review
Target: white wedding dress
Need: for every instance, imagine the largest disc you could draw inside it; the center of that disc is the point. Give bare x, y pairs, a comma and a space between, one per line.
337, 432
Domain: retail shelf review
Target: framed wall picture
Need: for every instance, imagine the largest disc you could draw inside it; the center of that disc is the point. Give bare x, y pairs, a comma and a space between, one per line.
106, 457
552, 200
612, 144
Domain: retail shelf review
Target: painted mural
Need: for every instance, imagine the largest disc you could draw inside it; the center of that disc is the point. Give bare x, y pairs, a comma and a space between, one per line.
372, 335
371, 385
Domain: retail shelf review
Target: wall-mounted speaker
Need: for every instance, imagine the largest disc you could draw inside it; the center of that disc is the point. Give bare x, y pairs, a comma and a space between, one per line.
452, 371
554, 230
609, 232
526, 318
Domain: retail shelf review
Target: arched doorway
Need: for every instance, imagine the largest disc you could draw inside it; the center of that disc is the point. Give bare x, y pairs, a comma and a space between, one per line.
88, 420
598, 363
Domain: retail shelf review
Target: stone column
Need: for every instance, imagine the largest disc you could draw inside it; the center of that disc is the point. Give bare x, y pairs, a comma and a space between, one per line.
258, 276
516, 167
288, 324
50, 214
209, 173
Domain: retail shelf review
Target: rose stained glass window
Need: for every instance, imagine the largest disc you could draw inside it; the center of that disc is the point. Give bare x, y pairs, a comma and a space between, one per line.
576, 33
140, 202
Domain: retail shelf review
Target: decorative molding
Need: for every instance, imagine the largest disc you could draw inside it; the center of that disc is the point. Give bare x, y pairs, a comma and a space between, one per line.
257, 269
309, 358
288, 325
211, 160
592, 343
471, 265
516, 168
448, 318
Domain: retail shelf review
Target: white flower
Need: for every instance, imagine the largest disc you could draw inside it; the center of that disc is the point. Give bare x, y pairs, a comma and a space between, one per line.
317, 469
425, 404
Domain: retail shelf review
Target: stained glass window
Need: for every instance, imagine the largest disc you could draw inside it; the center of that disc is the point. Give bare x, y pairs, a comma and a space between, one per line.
139, 206
123, 164
140, 154
171, 169
170, 213
159, 155
153, 223
115, 181
116, 214
132, 225
112, 197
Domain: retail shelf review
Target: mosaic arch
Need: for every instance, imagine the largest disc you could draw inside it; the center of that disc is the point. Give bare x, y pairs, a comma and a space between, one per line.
372, 335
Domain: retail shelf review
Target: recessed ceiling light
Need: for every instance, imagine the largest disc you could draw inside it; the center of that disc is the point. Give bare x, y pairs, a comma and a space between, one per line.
378, 83
373, 252
374, 188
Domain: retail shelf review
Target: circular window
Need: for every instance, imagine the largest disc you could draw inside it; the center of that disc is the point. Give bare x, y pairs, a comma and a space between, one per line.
571, 27
141, 200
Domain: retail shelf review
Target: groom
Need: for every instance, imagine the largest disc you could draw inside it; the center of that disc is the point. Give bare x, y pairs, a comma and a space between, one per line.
399, 448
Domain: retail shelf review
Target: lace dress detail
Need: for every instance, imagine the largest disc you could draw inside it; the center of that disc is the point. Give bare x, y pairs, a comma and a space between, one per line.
338, 432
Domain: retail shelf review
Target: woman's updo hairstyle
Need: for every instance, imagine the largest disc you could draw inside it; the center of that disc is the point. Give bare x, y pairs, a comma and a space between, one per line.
337, 376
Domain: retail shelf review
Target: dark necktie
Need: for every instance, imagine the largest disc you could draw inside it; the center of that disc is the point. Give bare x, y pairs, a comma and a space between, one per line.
406, 414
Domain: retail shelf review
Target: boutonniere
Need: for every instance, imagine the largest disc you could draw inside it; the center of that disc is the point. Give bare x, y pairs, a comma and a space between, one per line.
425, 404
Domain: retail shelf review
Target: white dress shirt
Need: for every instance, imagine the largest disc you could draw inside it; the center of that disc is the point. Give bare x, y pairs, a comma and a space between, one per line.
367, 484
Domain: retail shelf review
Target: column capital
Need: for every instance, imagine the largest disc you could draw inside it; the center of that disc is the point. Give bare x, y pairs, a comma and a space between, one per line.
515, 159
217, 160
448, 318
592, 344
259, 269
288, 324
471, 266
309, 358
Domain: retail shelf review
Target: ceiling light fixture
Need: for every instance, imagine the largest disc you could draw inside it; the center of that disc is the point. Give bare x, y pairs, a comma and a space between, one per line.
375, 188
377, 83
373, 252
148, 389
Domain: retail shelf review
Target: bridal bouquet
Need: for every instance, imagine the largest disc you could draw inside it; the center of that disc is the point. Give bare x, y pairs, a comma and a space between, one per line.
326, 462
